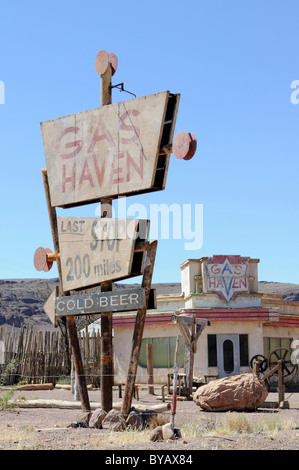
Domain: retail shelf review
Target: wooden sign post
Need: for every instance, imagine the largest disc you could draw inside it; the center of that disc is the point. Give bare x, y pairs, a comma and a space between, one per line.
107, 372
70, 320
97, 156
139, 327
191, 329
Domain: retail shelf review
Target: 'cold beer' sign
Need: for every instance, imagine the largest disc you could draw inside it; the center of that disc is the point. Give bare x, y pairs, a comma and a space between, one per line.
87, 304
109, 151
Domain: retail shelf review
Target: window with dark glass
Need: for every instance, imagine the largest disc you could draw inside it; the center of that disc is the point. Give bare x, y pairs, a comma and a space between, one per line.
244, 357
228, 356
212, 351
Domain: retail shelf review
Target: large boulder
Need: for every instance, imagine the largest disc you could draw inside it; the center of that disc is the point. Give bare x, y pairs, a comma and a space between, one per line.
245, 392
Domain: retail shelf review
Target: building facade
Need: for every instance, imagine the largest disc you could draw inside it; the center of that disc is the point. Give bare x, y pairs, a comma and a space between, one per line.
243, 322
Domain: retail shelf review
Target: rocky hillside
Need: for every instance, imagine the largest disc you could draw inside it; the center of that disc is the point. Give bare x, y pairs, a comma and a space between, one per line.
22, 300
288, 291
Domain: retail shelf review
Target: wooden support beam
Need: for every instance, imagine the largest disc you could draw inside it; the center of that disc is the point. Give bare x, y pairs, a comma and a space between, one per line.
191, 329
138, 329
270, 373
150, 368
280, 384
70, 320
200, 326
107, 372
185, 333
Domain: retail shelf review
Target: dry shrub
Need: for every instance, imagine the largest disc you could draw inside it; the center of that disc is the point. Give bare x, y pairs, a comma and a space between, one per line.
236, 423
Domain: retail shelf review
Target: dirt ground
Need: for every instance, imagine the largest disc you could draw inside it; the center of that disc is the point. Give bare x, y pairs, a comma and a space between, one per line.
47, 428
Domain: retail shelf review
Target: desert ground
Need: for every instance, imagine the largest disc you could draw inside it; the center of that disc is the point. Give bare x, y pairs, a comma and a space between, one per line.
49, 428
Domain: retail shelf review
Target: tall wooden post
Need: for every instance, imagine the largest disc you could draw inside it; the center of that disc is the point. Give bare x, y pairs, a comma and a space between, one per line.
280, 384
70, 320
175, 377
138, 329
150, 368
191, 329
106, 318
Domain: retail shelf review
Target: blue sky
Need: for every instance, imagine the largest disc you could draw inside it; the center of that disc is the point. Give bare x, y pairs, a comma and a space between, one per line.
233, 64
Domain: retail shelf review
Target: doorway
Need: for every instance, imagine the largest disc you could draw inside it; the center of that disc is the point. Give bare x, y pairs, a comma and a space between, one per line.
228, 355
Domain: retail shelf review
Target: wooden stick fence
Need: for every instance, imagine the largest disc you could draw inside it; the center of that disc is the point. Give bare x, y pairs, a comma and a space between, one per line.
43, 356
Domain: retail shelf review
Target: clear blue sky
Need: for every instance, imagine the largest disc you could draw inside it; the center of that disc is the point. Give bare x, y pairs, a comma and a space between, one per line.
233, 64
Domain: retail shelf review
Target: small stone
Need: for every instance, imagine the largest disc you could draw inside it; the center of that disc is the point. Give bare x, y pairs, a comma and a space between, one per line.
114, 421
177, 433
81, 422
135, 420
167, 432
96, 418
156, 434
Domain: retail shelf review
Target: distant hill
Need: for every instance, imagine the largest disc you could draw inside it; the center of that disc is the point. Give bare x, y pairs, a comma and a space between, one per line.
288, 291
22, 300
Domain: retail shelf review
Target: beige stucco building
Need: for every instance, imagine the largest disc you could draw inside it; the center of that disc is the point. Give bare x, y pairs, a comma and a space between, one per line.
242, 322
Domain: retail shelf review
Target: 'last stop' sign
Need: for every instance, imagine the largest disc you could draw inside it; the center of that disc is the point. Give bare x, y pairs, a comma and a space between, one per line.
109, 151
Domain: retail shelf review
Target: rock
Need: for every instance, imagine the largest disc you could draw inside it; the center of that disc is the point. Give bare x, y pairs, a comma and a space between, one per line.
135, 420
96, 418
114, 421
81, 422
244, 392
156, 434
167, 432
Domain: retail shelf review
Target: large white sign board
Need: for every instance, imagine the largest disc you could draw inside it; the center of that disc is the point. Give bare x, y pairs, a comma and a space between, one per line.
109, 151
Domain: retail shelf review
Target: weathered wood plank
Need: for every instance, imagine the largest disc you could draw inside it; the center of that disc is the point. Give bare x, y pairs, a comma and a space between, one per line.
52, 403
138, 329
94, 250
44, 386
70, 320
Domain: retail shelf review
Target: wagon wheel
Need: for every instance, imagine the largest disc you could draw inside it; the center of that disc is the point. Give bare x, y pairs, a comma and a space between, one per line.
280, 354
262, 360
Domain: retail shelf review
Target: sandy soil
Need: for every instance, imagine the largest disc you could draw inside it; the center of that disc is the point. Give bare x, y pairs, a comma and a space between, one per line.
47, 429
